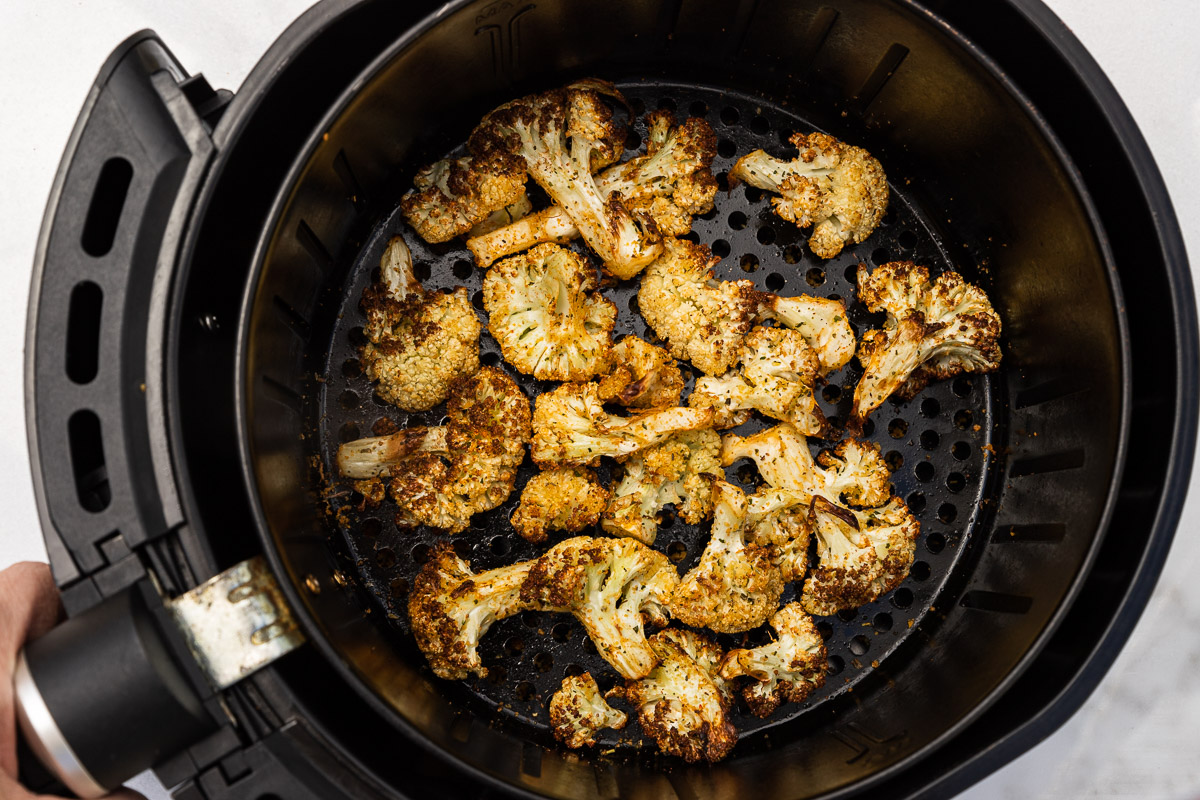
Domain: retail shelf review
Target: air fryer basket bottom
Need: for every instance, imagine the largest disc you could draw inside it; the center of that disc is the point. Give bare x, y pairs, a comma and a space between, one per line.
935, 445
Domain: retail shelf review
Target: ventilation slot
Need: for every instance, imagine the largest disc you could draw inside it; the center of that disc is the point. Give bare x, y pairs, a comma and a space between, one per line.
531, 760
460, 728
282, 393
293, 319
997, 602
83, 332
668, 20
87, 461
1045, 392
312, 245
354, 192
814, 38
100, 227
1055, 462
879, 77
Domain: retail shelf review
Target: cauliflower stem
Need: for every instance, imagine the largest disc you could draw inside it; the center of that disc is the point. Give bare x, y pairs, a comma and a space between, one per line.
440, 477
671, 183
553, 136
607, 584
571, 427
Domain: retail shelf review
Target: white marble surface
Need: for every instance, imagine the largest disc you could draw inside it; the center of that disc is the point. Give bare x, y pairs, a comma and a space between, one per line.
1135, 738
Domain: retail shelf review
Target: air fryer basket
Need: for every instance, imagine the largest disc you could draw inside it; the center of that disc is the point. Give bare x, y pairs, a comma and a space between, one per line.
1010, 475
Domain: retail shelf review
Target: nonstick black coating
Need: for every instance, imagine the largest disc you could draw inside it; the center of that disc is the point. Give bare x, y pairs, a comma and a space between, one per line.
936, 445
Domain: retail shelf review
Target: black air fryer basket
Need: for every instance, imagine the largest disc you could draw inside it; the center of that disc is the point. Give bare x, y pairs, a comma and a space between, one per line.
201, 265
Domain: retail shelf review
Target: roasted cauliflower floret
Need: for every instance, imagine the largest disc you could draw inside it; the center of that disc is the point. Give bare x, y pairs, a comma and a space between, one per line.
451, 608
642, 376
677, 165
775, 375
571, 427
934, 330
702, 320
735, 586
567, 499
553, 136
440, 477
837, 189
578, 712
547, 315
607, 584
418, 342
786, 670
853, 470
683, 704
861, 555
787, 532
821, 321
680, 470
452, 196
671, 183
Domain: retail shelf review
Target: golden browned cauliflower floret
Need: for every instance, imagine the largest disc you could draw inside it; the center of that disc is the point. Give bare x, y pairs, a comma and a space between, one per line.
853, 470
786, 532
680, 470
440, 477
838, 189
567, 499
571, 427
452, 196
578, 712
861, 555
820, 320
684, 703
702, 320
786, 670
418, 342
933, 331
607, 584
735, 586
643, 376
553, 136
451, 608
547, 315
671, 183
775, 375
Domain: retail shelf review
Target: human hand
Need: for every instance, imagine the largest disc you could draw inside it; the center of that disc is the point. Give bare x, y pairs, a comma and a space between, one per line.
29, 606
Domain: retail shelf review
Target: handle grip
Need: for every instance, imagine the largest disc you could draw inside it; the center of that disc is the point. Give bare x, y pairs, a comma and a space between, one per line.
102, 274
109, 693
